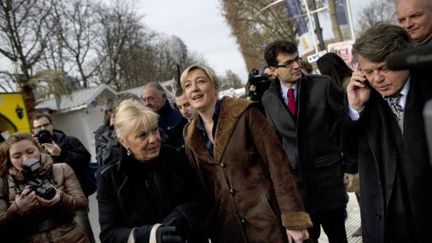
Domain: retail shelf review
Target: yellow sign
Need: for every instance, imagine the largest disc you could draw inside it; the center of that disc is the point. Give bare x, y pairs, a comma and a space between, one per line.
13, 115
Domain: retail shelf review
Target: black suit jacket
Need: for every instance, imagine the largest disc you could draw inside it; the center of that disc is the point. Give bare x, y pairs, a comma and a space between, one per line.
312, 141
384, 156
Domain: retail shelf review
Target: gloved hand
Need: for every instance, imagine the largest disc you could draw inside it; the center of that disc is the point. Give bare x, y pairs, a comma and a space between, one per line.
168, 234
179, 221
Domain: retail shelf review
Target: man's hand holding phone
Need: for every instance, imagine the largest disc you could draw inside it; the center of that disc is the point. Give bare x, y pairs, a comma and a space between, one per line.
358, 91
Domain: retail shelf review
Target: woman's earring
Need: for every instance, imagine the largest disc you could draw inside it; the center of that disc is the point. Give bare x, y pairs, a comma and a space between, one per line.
128, 152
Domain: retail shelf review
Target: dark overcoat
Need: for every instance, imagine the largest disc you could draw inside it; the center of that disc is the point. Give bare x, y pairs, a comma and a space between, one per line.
312, 139
248, 178
134, 194
376, 141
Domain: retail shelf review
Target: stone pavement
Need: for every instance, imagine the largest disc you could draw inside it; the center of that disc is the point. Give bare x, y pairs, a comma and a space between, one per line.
352, 222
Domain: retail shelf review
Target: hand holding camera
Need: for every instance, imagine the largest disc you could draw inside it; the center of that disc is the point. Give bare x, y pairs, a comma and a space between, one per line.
30, 170
26, 201
45, 138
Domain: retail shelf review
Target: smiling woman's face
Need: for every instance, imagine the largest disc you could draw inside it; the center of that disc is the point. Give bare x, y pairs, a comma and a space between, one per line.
200, 90
143, 142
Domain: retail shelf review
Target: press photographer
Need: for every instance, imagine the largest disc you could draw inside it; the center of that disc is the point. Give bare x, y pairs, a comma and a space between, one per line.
38, 199
69, 150
258, 83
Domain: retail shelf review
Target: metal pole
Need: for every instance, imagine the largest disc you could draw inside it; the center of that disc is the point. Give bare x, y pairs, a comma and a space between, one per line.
351, 24
311, 26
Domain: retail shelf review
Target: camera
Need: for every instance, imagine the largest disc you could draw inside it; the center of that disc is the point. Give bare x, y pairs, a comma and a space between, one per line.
255, 77
260, 81
30, 169
44, 136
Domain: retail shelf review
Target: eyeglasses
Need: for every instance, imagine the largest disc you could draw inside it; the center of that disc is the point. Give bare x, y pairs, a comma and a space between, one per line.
289, 63
42, 126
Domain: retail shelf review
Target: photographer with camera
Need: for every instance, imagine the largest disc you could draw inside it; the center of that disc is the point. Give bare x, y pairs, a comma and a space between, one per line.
38, 199
258, 83
65, 149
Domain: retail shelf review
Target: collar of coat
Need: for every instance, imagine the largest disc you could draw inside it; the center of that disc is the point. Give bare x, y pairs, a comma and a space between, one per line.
230, 111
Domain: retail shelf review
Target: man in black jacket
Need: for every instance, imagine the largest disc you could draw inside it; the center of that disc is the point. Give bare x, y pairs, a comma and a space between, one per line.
306, 112
387, 137
65, 149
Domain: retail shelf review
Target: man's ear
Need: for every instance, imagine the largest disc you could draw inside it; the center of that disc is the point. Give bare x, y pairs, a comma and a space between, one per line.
164, 95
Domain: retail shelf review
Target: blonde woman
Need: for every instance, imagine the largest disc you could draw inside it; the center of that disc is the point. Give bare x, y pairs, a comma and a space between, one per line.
242, 165
150, 194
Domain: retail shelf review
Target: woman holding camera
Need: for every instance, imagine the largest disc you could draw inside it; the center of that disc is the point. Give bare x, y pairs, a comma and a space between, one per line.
38, 199
151, 194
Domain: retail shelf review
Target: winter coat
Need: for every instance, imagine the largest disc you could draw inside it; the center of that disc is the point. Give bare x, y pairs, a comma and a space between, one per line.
248, 178
311, 140
393, 165
133, 194
46, 225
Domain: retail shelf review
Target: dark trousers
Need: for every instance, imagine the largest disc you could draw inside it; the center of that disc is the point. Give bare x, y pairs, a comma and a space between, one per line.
333, 223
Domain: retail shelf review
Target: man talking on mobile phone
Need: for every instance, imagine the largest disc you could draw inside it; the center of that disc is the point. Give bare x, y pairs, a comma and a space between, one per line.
386, 135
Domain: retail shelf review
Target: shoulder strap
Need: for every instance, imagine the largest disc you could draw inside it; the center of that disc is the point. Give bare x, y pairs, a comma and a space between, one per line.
5, 188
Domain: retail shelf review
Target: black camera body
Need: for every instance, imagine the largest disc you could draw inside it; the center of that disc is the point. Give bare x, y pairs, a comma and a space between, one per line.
261, 83
255, 77
30, 169
44, 136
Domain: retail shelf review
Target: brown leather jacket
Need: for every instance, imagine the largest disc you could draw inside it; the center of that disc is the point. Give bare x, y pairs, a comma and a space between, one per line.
248, 178
54, 224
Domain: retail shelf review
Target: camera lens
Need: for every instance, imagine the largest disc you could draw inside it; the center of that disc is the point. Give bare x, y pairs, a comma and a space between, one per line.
46, 192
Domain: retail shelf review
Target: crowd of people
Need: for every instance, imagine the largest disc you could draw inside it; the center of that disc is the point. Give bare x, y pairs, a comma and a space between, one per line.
274, 167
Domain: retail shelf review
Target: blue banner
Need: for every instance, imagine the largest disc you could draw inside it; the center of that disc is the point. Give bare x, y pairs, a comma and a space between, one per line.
295, 8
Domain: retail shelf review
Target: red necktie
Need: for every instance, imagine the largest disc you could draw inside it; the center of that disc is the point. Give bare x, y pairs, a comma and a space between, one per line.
291, 101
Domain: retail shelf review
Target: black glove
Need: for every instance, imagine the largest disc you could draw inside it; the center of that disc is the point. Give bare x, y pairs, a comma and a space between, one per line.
178, 220
168, 234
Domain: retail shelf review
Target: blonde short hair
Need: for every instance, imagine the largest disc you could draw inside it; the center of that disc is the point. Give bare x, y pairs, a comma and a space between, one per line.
207, 70
130, 114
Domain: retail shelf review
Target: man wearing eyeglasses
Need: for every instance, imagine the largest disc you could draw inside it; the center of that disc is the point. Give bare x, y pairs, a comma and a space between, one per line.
307, 112
387, 137
65, 149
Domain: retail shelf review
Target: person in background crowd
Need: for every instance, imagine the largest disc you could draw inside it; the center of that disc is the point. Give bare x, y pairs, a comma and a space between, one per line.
107, 147
306, 68
387, 138
331, 64
242, 165
307, 112
26, 216
183, 105
415, 17
69, 150
170, 119
151, 194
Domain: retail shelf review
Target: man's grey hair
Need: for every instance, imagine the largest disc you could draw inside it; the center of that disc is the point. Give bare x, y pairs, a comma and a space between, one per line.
376, 43
156, 85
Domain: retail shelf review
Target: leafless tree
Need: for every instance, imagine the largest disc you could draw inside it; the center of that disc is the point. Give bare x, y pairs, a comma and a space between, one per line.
230, 80
252, 30
76, 28
376, 12
178, 51
24, 32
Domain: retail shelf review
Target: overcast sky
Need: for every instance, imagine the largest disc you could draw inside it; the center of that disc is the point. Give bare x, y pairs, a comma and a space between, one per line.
201, 26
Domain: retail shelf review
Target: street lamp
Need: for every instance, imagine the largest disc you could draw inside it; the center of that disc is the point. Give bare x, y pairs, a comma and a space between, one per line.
19, 112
